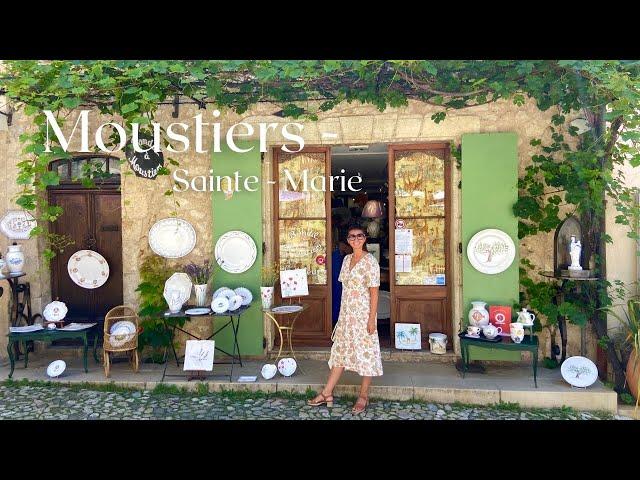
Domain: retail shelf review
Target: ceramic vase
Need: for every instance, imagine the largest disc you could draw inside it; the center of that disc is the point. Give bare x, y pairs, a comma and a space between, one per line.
266, 293
201, 294
15, 258
478, 315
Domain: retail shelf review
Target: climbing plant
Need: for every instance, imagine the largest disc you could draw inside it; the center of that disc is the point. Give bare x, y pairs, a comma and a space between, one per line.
582, 176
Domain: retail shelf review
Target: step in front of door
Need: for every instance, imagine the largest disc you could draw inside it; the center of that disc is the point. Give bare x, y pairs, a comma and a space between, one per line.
388, 355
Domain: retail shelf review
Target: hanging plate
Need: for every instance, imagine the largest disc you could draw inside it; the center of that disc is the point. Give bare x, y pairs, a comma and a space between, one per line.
172, 237
88, 269
235, 252
491, 251
17, 224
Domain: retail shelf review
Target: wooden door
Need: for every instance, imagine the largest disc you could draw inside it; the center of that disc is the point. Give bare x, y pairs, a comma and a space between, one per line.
302, 237
420, 199
92, 218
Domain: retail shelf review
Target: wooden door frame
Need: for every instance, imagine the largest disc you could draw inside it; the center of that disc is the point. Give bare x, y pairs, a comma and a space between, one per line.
419, 291
277, 152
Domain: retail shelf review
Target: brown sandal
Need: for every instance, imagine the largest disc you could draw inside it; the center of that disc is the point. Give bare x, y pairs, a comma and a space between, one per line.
328, 399
358, 410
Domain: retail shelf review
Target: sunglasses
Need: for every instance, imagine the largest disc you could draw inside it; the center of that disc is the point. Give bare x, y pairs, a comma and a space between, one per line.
359, 235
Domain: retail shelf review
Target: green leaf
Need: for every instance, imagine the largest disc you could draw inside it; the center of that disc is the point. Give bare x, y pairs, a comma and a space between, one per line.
50, 178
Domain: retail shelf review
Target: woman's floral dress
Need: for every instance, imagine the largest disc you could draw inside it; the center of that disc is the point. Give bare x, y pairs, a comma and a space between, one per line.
353, 347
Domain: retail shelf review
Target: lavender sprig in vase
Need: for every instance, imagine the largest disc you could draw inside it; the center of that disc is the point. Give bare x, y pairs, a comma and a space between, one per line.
200, 275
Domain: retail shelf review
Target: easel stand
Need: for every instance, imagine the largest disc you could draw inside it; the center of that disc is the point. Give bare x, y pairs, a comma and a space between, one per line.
196, 375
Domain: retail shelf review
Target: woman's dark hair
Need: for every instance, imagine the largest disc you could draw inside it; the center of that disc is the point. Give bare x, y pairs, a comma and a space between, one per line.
355, 226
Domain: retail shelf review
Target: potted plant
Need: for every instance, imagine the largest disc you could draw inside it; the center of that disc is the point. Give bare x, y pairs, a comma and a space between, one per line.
270, 274
630, 325
200, 275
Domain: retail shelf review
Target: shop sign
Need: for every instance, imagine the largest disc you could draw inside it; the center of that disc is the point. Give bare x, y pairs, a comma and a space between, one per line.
144, 164
400, 224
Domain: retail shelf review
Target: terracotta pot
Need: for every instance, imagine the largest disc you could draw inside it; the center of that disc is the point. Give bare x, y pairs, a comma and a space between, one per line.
632, 374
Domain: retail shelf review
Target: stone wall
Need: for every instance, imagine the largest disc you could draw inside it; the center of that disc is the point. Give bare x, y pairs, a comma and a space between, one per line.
144, 202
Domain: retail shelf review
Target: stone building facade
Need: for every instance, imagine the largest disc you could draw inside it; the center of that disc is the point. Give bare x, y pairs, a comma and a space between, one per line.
144, 202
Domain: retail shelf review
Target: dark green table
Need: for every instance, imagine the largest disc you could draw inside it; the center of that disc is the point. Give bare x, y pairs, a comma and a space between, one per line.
528, 344
50, 335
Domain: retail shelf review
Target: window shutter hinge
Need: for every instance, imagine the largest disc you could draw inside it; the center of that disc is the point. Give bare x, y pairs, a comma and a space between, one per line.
460, 247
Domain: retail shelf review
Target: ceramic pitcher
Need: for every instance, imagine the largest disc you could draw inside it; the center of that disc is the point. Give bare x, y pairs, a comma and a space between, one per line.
526, 318
478, 315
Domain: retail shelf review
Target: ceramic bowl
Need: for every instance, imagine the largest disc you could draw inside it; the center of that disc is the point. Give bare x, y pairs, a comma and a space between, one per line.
268, 371
287, 366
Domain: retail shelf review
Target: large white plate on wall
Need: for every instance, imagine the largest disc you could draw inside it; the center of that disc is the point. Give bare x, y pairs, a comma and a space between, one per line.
172, 237
491, 251
235, 252
88, 269
17, 224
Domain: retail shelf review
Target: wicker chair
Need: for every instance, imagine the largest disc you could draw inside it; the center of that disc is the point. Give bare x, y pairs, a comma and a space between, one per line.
120, 343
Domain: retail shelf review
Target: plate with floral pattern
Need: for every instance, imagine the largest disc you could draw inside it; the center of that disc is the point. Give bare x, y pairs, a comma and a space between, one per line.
88, 269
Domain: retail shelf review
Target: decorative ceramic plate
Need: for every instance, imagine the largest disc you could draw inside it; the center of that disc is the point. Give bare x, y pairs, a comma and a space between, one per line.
287, 366
268, 371
197, 311
55, 311
246, 295
172, 237
88, 269
180, 282
218, 291
55, 368
579, 371
235, 303
17, 224
491, 251
220, 304
228, 294
123, 325
235, 252
286, 309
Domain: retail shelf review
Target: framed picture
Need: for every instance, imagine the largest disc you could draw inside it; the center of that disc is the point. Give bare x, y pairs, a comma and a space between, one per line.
500, 316
199, 355
293, 283
408, 336
374, 249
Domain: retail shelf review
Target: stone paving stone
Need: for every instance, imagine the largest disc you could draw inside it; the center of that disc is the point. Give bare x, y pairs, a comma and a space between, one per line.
34, 402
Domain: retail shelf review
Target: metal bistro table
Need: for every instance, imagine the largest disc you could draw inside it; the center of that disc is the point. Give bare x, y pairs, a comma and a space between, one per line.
50, 335
235, 326
287, 328
528, 344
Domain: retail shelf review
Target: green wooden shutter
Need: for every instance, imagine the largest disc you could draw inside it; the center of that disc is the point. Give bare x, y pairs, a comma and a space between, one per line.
243, 211
489, 190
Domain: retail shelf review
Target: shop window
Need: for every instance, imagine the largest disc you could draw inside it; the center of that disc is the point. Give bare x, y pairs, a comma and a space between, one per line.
302, 224
102, 169
420, 202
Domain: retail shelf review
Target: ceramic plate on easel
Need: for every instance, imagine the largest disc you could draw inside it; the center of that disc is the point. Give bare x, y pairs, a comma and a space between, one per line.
172, 237
246, 295
220, 304
579, 371
235, 252
56, 368
88, 269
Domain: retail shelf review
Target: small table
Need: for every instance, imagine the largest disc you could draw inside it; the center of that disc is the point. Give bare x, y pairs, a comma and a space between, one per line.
528, 344
50, 335
235, 326
284, 327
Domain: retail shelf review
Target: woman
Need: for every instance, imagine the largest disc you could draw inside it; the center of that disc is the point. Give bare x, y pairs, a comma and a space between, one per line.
355, 338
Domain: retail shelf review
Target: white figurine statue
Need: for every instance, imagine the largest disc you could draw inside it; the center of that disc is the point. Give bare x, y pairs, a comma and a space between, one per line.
575, 248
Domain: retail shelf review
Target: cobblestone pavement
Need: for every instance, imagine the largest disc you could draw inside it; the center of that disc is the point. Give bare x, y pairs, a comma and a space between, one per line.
62, 403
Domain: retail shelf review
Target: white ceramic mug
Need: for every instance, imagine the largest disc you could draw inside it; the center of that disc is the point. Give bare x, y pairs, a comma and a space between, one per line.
517, 332
473, 330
